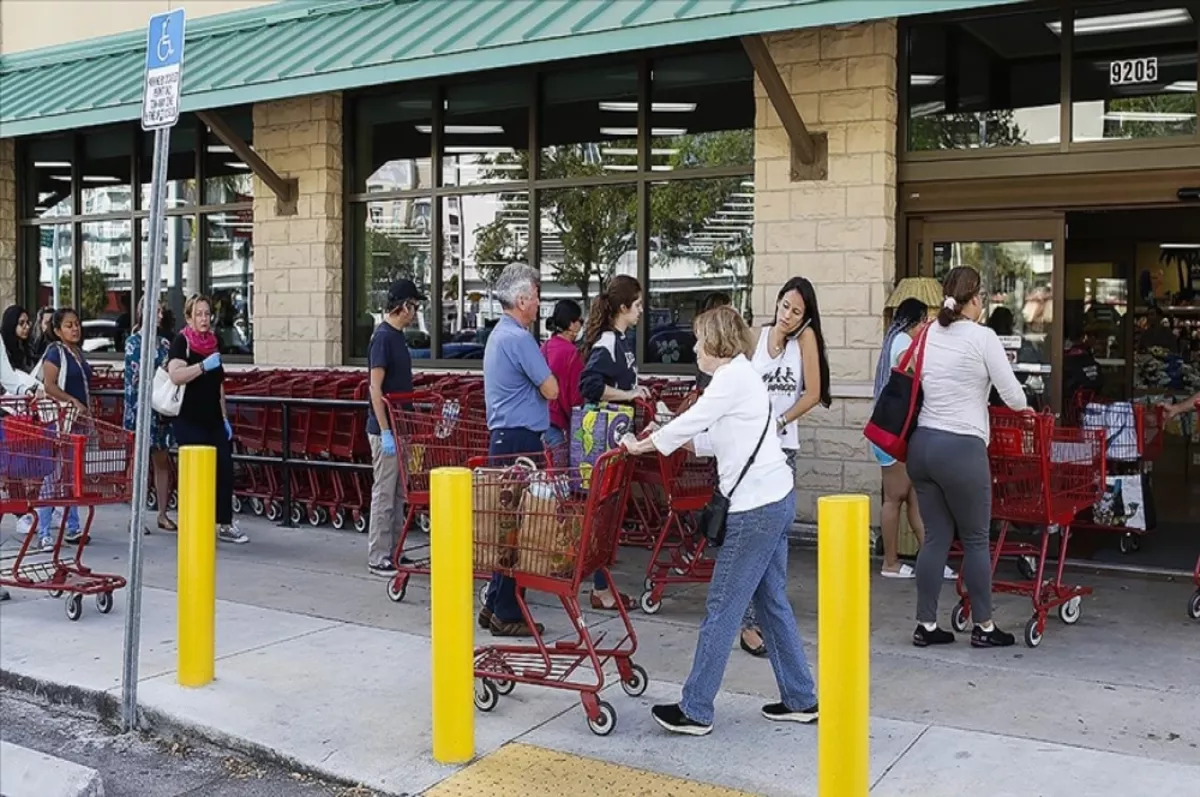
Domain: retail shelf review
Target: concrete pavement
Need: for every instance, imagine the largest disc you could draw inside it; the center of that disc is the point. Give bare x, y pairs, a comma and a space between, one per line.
319, 668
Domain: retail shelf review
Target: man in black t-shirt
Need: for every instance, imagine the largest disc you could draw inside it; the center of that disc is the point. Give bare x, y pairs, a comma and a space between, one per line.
390, 371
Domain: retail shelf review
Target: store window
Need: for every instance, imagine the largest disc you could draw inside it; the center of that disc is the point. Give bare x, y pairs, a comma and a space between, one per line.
587, 237
392, 241
984, 82
702, 253
702, 112
485, 138
1134, 70
481, 233
589, 121
92, 252
393, 142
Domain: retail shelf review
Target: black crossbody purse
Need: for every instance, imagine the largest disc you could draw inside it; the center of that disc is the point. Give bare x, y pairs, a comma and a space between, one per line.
711, 522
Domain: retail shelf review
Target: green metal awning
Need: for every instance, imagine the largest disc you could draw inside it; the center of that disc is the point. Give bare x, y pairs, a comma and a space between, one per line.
298, 47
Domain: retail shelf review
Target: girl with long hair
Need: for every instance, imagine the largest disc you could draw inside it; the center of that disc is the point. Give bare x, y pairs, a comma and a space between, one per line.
610, 374
15, 332
562, 355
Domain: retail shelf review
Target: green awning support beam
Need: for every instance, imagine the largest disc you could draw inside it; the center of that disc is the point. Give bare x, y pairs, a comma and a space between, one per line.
810, 152
286, 189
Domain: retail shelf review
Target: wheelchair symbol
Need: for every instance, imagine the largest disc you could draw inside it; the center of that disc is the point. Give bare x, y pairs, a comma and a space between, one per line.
165, 50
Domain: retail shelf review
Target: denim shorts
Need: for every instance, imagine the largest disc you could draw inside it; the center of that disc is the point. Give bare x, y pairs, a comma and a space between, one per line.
882, 457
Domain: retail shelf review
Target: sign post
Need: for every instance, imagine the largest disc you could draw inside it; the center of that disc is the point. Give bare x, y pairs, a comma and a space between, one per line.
160, 111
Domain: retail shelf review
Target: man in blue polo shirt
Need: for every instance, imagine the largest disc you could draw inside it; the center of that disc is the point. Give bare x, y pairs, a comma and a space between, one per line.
517, 386
391, 371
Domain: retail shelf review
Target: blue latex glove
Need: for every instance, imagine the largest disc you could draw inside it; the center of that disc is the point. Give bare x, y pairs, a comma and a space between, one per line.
211, 363
387, 442
228, 429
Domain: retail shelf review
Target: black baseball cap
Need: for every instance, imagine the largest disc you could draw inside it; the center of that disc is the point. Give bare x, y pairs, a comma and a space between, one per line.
403, 291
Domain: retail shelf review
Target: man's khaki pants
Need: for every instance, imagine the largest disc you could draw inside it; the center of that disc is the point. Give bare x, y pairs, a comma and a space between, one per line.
387, 502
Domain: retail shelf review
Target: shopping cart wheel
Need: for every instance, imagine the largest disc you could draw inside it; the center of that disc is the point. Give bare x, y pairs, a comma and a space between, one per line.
1027, 567
605, 722
257, 506
1130, 543
314, 517
648, 603
74, 605
1194, 606
237, 503
339, 519
504, 686
637, 682
56, 593
151, 499
423, 523
274, 511
960, 618
173, 501
360, 523
483, 591
104, 602
297, 514
1070, 611
397, 589
1033, 635
486, 695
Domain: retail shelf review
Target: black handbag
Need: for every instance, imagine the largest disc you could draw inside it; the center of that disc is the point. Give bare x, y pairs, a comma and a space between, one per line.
711, 522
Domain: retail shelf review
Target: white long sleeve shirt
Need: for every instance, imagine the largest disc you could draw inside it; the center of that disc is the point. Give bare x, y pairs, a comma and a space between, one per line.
962, 363
726, 423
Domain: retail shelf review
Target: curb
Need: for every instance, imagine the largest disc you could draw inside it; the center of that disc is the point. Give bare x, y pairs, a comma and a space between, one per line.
32, 773
107, 708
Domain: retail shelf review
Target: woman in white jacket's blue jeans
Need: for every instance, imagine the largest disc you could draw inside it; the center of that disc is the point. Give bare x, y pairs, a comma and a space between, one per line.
727, 423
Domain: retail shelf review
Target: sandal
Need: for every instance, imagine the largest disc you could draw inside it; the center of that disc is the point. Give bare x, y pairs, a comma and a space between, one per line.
166, 524
599, 605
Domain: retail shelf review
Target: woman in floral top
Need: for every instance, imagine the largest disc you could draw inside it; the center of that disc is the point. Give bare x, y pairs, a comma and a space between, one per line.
160, 440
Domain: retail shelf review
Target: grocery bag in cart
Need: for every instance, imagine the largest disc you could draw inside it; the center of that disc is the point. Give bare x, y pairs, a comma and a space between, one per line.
497, 513
551, 527
595, 429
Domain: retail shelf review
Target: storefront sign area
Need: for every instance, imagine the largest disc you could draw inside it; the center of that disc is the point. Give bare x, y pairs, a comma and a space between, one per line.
164, 73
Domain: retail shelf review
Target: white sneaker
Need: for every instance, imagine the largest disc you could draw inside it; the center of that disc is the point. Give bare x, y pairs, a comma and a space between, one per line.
24, 524
949, 574
232, 534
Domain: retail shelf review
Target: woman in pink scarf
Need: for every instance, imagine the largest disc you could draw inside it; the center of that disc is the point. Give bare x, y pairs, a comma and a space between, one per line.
195, 361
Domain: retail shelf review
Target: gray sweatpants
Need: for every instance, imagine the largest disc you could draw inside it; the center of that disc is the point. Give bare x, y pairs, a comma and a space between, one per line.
954, 490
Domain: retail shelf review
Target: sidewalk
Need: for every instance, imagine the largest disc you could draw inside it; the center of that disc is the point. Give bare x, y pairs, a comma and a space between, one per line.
317, 666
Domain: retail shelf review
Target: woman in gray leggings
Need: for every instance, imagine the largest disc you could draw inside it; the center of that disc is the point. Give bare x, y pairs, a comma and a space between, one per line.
947, 457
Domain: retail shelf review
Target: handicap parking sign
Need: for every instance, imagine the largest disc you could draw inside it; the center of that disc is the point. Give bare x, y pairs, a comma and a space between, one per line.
164, 70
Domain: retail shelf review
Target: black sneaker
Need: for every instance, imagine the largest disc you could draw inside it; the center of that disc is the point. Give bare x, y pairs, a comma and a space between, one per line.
673, 719
778, 712
383, 567
72, 537
991, 639
923, 637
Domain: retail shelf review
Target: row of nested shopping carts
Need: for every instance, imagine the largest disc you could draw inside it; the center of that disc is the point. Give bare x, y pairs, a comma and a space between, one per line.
51, 457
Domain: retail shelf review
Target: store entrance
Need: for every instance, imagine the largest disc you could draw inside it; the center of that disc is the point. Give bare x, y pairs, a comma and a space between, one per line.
1131, 337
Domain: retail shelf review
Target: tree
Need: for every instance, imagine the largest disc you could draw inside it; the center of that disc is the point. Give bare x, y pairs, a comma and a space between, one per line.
496, 245
974, 130
94, 296
1176, 112
389, 259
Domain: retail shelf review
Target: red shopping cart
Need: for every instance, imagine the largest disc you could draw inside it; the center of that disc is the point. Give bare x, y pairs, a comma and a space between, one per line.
1135, 435
552, 540
1194, 603
1041, 476
42, 466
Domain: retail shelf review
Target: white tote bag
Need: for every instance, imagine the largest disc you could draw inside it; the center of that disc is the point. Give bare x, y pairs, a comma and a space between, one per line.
167, 397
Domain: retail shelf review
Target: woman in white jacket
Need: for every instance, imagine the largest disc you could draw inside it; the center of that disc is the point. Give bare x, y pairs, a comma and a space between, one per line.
733, 421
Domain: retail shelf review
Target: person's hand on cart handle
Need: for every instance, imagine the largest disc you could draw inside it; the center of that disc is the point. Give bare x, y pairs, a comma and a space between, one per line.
228, 429
641, 392
387, 442
211, 363
635, 446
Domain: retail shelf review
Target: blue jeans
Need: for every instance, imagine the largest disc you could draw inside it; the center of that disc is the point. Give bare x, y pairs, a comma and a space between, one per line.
504, 446
752, 564
750, 619
557, 438
45, 516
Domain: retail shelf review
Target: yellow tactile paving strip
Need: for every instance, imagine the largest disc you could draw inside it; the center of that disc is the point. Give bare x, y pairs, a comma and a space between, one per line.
520, 770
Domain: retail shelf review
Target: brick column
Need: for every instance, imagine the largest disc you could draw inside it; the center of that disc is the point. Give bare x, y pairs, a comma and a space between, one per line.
8, 224
298, 257
840, 232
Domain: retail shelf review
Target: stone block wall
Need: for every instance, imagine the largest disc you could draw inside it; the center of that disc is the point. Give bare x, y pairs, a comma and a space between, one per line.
8, 224
298, 257
839, 232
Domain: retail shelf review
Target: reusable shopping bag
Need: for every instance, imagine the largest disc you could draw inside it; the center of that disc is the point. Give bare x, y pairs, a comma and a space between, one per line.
596, 429
895, 415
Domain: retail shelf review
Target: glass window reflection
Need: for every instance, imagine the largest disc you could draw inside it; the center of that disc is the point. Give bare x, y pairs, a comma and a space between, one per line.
702, 111
485, 138
48, 177
106, 172
392, 242
393, 142
106, 284
179, 273
588, 121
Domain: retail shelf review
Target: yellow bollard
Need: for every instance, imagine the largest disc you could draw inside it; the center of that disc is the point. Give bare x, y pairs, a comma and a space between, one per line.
197, 564
844, 644
452, 615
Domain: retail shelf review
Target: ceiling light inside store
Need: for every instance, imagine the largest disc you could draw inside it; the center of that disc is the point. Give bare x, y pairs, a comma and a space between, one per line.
51, 165
1147, 116
632, 153
1112, 23
99, 178
631, 132
219, 148
479, 150
925, 80
657, 107
464, 130
1182, 86
237, 165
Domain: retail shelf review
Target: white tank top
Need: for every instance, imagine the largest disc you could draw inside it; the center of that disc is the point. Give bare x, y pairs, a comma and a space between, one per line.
784, 378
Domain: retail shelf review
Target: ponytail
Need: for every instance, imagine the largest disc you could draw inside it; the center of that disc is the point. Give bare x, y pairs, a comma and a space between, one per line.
599, 316
962, 285
620, 292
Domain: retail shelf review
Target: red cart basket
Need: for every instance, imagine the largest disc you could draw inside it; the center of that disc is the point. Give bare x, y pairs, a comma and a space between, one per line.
1042, 476
552, 540
42, 466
